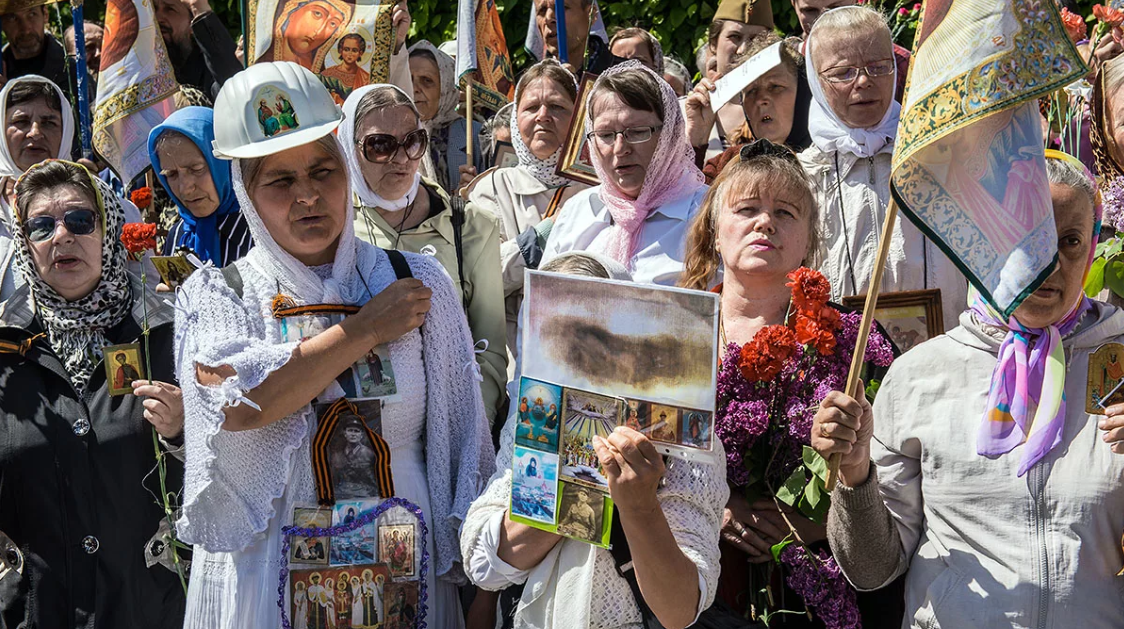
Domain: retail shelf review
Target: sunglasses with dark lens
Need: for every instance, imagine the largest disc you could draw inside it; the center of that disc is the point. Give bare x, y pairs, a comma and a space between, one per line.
77, 222
380, 148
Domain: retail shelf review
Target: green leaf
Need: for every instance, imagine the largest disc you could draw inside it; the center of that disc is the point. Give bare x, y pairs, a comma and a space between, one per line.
815, 463
677, 17
1114, 274
872, 387
793, 488
1094, 283
780, 546
813, 491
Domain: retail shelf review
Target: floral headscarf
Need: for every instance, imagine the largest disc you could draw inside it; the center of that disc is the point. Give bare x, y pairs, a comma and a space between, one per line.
671, 174
76, 329
542, 169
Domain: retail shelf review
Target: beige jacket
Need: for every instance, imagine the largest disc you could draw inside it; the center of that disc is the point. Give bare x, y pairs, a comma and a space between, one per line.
482, 288
850, 230
520, 202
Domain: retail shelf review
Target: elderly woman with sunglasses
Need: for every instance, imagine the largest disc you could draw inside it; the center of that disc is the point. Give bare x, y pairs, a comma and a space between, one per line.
650, 186
397, 208
76, 460
853, 119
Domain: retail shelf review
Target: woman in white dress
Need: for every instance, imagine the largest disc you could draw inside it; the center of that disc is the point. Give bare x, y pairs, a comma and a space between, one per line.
249, 392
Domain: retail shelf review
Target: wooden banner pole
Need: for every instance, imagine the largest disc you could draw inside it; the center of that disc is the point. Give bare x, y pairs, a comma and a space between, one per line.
854, 377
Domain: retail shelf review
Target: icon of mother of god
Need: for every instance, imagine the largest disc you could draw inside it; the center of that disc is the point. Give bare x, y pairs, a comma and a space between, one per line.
304, 29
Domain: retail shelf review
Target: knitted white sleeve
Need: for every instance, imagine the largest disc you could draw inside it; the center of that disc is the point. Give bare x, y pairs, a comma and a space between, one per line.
231, 478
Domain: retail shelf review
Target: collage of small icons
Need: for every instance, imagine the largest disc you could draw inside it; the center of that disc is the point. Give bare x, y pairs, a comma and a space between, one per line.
368, 577
556, 481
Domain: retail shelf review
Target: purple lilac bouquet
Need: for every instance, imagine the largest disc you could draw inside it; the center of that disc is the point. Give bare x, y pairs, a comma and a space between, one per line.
768, 393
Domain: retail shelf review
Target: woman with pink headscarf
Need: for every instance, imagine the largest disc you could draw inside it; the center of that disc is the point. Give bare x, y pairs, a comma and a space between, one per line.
650, 186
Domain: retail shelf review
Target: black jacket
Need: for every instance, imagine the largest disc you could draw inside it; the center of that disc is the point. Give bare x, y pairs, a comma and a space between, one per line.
75, 496
212, 59
51, 64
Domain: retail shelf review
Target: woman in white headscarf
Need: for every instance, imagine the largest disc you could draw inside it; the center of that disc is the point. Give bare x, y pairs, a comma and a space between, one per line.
248, 392
853, 119
436, 96
526, 197
38, 125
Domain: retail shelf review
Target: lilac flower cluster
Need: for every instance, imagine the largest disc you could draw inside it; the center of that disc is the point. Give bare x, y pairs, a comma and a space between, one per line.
817, 578
1113, 200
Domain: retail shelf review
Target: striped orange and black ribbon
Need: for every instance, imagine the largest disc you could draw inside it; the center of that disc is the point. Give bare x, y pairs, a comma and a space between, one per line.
321, 470
280, 312
21, 348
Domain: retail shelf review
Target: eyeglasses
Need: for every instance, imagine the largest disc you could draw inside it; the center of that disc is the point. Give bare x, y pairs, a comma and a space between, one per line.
380, 148
632, 135
845, 74
77, 222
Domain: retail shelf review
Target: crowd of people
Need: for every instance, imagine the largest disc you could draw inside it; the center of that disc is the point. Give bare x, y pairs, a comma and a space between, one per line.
374, 200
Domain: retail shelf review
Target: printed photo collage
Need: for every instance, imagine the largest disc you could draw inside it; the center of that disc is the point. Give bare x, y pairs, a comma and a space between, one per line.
365, 578
371, 377
557, 483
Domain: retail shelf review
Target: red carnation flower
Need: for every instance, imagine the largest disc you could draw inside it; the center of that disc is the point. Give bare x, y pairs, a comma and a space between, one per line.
1108, 15
141, 197
763, 358
1074, 25
810, 290
138, 237
814, 332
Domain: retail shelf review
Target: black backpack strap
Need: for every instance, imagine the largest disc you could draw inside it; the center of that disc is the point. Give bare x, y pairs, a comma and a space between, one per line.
233, 279
622, 557
398, 261
457, 205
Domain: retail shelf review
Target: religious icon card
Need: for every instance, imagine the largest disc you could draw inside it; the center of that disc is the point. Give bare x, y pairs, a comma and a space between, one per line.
311, 550
401, 604
697, 428
1105, 385
123, 365
350, 596
396, 549
356, 546
376, 375
174, 270
581, 513
665, 424
534, 484
587, 415
539, 411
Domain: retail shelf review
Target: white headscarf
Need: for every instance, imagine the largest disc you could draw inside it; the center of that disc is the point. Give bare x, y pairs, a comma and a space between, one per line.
829, 133
352, 151
450, 93
8, 167
542, 169
293, 278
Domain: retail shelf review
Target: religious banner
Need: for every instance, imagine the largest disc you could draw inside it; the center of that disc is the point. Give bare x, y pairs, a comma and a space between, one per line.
534, 43
347, 44
969, 167
482, 48
136, 84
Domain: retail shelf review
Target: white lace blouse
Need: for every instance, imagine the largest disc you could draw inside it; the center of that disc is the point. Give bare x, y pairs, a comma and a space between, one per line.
577, 585
233, 478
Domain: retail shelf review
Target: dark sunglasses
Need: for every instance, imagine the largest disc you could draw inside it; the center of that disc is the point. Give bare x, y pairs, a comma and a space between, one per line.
77, 222
380, 148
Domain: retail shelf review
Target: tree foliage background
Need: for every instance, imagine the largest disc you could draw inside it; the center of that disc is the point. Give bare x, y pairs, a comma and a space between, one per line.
680, 25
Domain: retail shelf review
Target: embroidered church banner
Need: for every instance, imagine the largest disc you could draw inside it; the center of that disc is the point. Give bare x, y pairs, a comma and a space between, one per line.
347, 44
969, 167
136, 84
482, 48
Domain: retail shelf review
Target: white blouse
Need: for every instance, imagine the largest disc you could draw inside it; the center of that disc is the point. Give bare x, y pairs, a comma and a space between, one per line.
584, 222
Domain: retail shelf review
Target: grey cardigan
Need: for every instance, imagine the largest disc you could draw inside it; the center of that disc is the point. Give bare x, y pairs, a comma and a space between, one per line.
980, 546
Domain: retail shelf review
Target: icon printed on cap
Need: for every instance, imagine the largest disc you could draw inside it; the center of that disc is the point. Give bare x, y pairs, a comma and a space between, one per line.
275, 111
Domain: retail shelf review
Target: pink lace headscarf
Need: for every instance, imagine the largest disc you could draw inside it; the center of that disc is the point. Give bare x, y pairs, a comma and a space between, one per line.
671, 174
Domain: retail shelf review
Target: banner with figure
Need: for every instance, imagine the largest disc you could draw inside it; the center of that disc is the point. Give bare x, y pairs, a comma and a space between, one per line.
136, 84
482, 48
347, 43
969, 167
